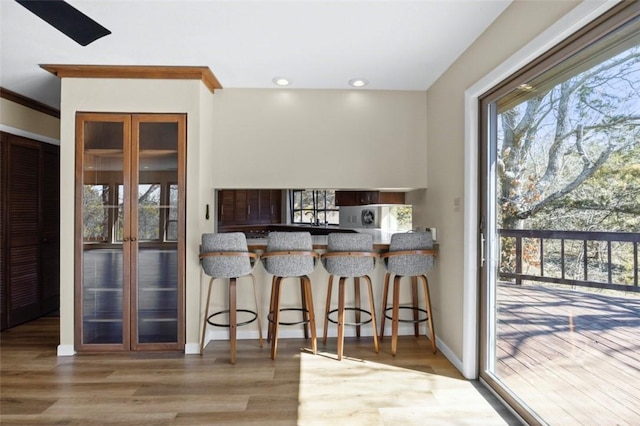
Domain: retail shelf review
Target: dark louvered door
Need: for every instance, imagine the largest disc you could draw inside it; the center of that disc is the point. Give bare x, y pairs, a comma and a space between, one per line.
23, 234
29, 227
3, 221
50, 228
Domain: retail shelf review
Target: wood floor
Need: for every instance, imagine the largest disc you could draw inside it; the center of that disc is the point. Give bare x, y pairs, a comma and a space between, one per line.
573, 356
414, 388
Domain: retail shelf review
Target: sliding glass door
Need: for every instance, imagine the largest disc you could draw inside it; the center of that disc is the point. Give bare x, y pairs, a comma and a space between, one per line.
561, 217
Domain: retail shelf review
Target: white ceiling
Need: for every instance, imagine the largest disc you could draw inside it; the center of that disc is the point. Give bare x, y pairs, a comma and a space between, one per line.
396, 45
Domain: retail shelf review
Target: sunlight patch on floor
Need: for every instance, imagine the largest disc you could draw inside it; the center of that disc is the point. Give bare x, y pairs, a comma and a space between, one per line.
386, 395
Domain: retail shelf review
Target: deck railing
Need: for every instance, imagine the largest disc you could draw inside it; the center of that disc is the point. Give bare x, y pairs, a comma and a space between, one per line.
606, 260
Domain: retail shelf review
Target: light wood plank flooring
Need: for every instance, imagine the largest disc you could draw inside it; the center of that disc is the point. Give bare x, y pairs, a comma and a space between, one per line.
414, 388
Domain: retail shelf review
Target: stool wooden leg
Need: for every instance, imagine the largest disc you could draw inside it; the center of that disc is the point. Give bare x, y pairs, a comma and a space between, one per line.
255, 297
385, 293
414, 298
233, 319
275, 316
271, 310
327, 308
312, 316
305, 313
425, 285
341, 317
206, 315
396, 315
376, 346
356, 283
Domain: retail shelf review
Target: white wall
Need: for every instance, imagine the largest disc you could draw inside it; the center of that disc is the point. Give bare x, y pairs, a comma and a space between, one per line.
22, 121
319, 139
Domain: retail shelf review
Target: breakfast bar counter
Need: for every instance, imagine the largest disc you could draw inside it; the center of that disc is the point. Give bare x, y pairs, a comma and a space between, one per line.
381, 240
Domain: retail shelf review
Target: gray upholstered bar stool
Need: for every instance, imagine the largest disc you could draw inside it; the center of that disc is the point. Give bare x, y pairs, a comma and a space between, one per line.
226, 256
290, 255
410, 255
349, 256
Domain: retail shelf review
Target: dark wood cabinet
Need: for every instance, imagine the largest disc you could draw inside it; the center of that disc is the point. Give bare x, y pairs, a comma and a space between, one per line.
391, 198
249, 206
29, 229
363, 198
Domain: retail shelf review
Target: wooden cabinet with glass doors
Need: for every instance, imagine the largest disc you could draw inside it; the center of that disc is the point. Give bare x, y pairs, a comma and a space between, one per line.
130, 204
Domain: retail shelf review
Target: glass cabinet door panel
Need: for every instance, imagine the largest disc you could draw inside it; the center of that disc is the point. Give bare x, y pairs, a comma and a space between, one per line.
157, 263
103, 270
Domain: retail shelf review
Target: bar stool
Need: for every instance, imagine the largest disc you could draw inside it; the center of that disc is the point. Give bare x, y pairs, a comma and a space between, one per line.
349, 256
410, 255
290, 254
226, 256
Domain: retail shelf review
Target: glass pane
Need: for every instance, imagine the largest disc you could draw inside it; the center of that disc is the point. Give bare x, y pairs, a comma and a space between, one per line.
102, 258
149, 212
158, 196
95, 218
565, 202
172, 221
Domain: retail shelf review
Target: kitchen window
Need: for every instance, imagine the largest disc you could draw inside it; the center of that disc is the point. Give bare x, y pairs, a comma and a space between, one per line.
316, 207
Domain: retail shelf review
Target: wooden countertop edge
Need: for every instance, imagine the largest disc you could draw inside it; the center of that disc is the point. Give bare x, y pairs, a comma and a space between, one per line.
261, 247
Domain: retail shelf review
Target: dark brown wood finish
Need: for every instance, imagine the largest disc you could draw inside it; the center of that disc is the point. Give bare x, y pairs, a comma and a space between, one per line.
363, 198
30, 229
241, 207
3, 240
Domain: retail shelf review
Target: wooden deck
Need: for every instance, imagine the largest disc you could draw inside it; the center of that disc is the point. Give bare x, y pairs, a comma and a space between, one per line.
572, 356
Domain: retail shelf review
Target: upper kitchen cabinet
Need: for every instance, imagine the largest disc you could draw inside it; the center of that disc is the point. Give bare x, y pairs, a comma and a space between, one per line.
249, 206
363, 198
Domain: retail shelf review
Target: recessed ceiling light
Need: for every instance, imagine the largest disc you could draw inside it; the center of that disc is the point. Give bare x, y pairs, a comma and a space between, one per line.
358, 82
281, 81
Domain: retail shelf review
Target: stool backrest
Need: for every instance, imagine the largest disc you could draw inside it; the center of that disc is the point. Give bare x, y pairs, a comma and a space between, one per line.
349, 266
225, 266
414, 264
289, 265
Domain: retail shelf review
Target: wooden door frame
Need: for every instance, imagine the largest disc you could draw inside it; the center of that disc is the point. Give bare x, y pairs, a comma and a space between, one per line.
80, 346
181, 120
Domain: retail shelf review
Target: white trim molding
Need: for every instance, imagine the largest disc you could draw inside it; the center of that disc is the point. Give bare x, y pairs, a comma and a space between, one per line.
30, 135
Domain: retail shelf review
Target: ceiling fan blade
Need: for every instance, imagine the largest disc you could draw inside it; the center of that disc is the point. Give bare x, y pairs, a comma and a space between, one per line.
67, 19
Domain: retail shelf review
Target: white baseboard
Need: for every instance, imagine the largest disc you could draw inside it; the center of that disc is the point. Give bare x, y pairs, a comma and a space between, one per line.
66, 350
448, 353
192, 349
